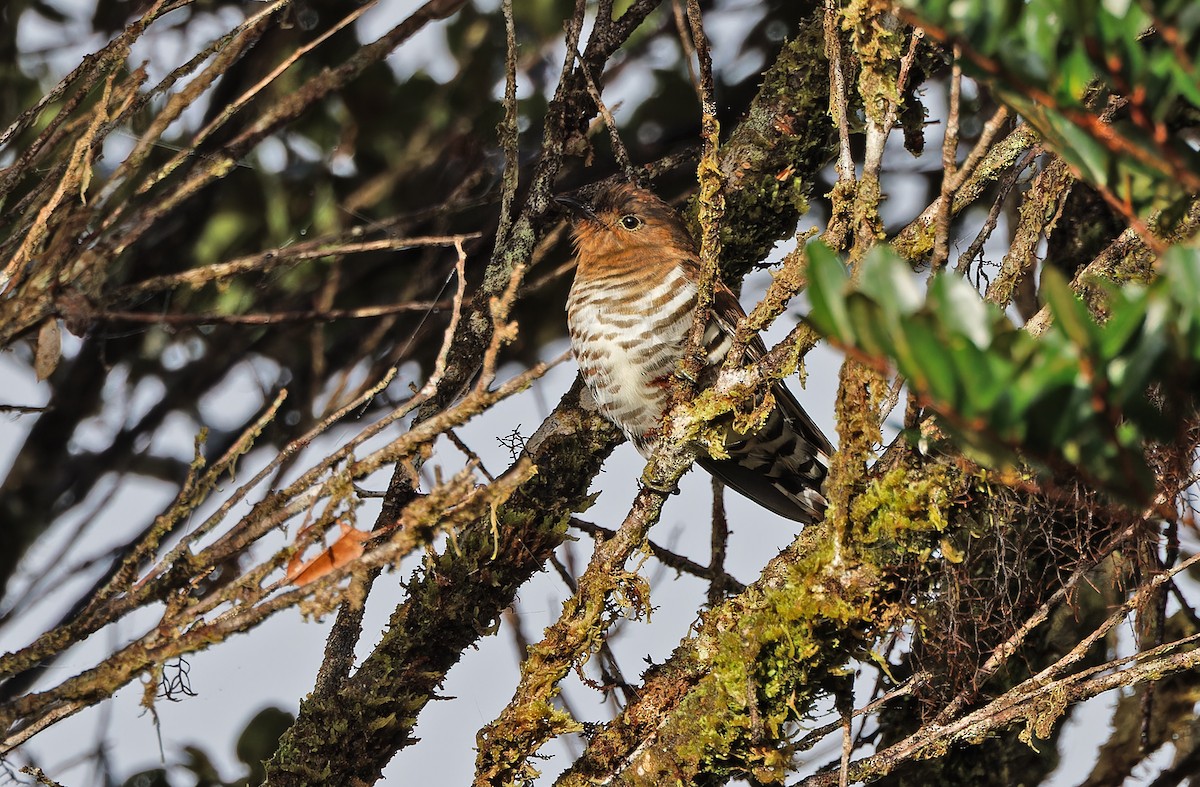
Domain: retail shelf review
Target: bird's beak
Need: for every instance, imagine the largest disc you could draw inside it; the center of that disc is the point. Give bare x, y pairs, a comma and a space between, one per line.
577, 207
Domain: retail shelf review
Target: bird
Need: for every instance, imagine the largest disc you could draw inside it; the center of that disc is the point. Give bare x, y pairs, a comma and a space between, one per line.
629, 313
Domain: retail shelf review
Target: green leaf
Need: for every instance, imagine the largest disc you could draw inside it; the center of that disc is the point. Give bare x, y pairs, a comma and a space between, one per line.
1070, 314
985, 376
1123, 323
1079, 394
1181, 267
890, 282
827, 280
962, 309
872, 335
1130, 373
930, 356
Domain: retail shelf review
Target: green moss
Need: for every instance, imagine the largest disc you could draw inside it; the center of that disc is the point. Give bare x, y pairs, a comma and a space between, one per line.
902, 510
879, 41
916, 242
767, 663
780, 648
867, 222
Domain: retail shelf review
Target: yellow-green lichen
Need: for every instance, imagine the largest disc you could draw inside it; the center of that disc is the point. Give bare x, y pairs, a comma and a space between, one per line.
783, 646
905, 510
878, 39
771, 658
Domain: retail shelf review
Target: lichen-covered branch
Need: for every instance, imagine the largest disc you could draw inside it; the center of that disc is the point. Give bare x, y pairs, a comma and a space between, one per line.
452, 601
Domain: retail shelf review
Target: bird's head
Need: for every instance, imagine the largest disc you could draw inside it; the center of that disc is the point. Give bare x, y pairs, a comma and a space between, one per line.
618, 223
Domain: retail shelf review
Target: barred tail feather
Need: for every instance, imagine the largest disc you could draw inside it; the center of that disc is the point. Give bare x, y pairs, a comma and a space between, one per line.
795, 497
782, 466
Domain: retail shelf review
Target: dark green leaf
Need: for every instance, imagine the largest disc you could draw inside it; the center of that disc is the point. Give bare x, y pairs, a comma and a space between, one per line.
827, 280
1069, 312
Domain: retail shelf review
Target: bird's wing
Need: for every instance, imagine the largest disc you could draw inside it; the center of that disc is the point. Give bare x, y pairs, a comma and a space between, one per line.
727, 312
782, 464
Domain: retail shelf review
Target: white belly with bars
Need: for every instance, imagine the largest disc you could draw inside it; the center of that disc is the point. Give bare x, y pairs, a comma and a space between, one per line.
627, 347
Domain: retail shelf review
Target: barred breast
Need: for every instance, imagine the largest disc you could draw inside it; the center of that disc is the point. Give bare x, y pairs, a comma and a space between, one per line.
628, 331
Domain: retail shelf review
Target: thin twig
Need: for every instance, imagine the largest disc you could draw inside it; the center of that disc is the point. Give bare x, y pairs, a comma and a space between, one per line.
267, 261
1011, 646
941, 238
508, 127
711, 197
270, 318
719, 541
614, 134
1003, 189
982, 147
667, 557
838, 96
233, 107
689, 49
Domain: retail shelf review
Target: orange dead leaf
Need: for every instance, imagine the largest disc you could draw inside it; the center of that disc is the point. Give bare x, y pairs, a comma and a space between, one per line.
49, 349
348, 547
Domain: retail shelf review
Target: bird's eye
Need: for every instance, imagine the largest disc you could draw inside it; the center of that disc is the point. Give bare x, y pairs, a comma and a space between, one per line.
631, 222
